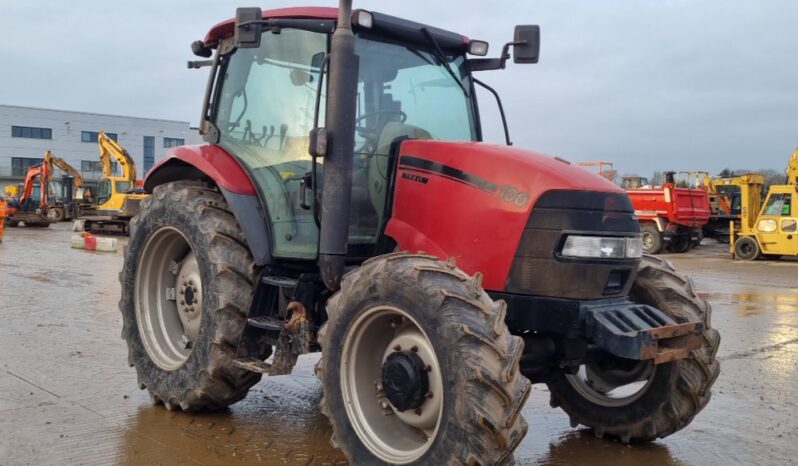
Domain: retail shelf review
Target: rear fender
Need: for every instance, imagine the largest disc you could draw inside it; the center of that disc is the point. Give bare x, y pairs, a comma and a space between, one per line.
212, 164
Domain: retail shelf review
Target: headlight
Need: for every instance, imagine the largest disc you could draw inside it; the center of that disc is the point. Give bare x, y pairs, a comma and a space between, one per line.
767, 225
599, 247
634, 248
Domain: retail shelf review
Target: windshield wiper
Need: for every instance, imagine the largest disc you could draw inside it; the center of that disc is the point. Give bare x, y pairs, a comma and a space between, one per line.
441, 58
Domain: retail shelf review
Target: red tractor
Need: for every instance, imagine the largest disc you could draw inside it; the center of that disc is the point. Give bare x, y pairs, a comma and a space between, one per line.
344, 203
671, 215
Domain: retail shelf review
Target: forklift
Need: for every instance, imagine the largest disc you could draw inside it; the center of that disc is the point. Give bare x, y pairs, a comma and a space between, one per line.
767, 229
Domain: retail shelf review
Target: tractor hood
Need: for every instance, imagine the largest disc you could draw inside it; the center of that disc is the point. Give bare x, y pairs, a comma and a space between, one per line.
472, 201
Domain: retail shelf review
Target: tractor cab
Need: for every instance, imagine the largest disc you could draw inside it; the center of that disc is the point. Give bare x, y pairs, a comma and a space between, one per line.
412, 82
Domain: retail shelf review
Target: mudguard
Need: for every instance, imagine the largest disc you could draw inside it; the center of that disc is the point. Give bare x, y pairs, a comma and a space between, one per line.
212, 163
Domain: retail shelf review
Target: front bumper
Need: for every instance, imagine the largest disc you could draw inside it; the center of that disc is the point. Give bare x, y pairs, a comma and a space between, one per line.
616, 325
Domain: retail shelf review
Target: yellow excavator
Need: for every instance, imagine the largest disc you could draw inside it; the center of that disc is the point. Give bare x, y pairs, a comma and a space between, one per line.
770, 228
118, 196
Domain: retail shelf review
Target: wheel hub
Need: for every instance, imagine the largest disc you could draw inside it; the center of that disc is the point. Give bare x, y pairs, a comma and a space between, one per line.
405, 380
648, 240
189, 301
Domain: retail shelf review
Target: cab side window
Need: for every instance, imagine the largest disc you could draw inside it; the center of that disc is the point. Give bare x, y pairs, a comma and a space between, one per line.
789, 225
779, 204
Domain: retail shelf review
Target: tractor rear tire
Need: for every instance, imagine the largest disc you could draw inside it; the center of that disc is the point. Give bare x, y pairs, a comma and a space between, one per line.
652, 238
185, 239
451, 327
674, 392
747, 249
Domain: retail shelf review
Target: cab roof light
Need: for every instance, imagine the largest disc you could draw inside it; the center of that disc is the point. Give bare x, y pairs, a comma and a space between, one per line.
478, 48
363, 19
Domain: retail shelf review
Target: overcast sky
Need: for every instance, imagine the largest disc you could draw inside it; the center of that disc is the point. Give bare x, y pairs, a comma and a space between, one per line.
648, 85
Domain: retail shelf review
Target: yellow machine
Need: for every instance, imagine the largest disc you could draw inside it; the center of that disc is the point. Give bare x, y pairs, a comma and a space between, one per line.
771, 228
118, 196
11, 190
2, 218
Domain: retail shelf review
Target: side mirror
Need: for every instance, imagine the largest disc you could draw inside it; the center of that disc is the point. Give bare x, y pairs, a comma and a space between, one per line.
527, 44
248, 28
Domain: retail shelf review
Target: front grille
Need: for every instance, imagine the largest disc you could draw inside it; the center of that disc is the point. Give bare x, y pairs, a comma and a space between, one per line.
538, 269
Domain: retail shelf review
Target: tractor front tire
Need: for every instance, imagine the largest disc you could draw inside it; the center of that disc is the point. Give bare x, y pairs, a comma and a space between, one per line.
418, 366
652, 238
673, 392
187, 282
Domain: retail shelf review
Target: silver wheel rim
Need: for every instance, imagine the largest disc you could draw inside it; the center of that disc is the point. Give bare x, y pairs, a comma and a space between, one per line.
648, 241
168, 298
615, 389
392, 436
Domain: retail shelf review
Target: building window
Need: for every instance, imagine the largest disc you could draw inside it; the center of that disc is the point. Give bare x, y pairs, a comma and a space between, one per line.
149, 152
91, 136
30, 132
19, 165
93, 169
173, 142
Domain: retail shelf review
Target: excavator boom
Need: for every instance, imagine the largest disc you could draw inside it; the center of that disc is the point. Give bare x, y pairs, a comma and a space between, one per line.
43, 172
65, 167
109, 148
792, 169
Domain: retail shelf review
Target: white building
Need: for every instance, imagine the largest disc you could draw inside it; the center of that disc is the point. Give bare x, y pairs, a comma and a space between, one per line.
26, 133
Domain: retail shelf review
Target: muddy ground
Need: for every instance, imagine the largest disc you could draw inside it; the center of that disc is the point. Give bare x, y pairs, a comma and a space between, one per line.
68, 397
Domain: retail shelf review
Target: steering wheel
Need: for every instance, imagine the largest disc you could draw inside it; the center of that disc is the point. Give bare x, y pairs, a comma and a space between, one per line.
402, 114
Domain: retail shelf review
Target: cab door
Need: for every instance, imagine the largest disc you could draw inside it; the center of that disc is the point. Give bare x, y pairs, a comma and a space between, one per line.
777, 226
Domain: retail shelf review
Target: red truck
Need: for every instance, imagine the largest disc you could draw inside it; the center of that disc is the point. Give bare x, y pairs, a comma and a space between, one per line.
670, 215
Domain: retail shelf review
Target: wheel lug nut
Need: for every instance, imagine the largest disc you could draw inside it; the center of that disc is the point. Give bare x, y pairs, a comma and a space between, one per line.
379, 387
418, 411
414, 349
182, 303
385, 405
397, 348
427, 368
428, 395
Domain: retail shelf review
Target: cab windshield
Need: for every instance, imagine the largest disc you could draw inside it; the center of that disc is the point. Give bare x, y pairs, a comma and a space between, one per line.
266, 106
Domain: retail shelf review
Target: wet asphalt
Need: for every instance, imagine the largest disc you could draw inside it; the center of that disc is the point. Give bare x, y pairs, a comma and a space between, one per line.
67, 395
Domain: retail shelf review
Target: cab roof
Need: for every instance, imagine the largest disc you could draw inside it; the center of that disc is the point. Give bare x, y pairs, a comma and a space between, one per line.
225, 28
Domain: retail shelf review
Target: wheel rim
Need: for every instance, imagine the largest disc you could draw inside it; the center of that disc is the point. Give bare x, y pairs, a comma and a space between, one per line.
648, 241
55, 214
378, 339
747, 249
613, 388
168, 298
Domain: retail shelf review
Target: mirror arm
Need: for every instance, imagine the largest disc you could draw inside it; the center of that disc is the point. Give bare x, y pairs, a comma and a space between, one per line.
501, 108
199, 64
485, 64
